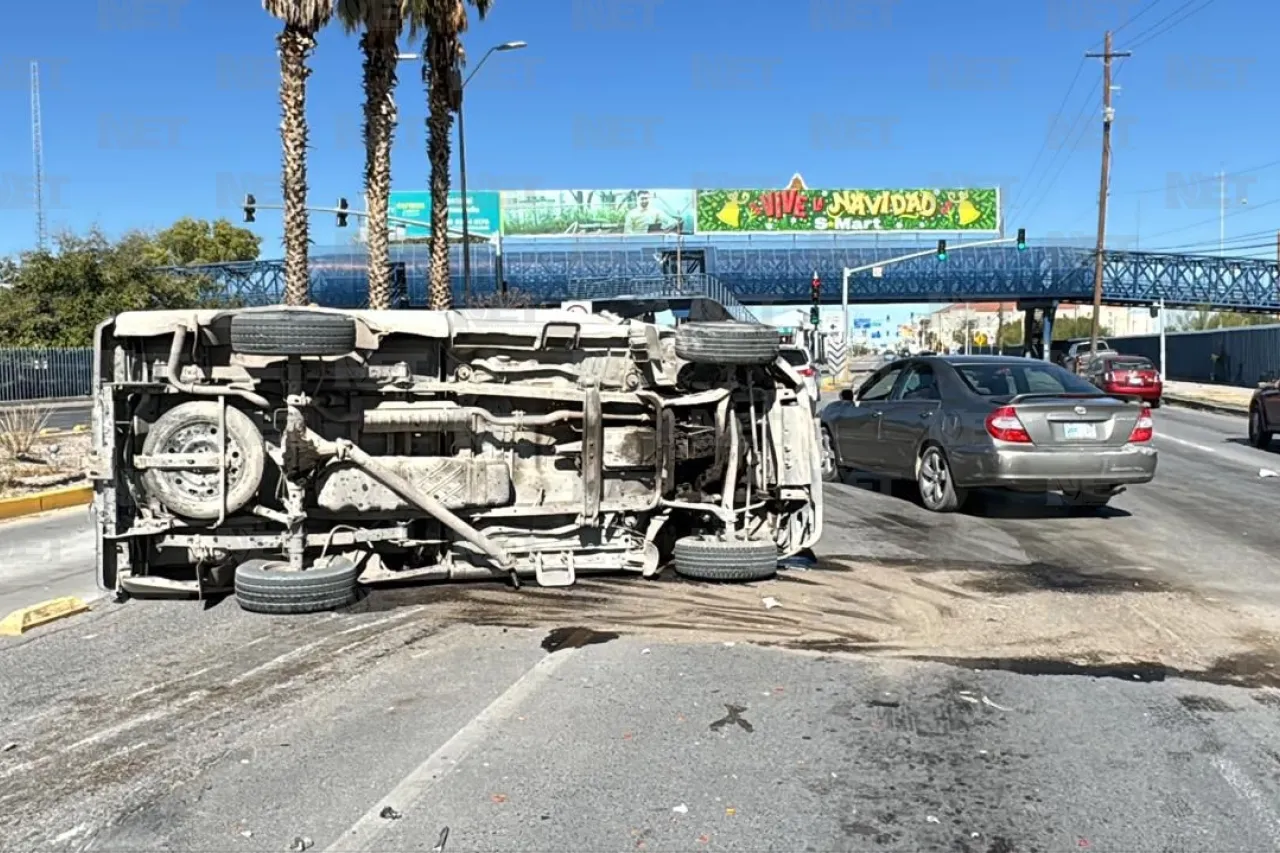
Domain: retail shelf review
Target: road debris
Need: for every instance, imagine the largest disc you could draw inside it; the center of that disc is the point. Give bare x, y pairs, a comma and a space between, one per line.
444, 838
389, 813
734, 716
1267, 472
499, 798
9, 747
681, 809
770, 602
300, 844
990, 704
248, 833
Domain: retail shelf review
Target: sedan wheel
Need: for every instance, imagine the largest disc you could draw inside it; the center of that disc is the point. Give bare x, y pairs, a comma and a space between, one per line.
1258, 436
937, 489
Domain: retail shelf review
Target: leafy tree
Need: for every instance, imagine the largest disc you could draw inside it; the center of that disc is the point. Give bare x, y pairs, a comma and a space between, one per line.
196, 241
56, 298
1205, 318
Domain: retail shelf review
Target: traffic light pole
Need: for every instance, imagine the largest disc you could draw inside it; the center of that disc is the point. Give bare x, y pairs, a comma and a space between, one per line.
850, 271
358, 214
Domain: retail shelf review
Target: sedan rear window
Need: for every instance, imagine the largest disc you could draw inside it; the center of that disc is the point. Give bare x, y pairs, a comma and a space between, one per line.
1034, 377
1131, 364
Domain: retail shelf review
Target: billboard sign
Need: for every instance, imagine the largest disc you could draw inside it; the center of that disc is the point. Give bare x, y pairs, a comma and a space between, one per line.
483, 213
822, 211
587, 213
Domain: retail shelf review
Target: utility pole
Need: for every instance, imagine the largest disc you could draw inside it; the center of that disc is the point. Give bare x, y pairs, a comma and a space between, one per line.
1108, 115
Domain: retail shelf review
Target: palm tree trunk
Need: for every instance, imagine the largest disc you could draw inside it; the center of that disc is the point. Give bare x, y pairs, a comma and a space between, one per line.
379, 82
441, 56
295, 45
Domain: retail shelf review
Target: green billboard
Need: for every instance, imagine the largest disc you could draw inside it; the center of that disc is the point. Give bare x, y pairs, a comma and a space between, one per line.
819, 211
604, 213
410, 213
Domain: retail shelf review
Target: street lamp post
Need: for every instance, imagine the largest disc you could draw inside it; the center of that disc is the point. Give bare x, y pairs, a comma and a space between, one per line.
462, 153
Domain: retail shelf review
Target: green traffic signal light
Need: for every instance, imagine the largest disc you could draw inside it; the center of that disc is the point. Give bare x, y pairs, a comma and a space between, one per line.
1022, 239
942, 250
815, 315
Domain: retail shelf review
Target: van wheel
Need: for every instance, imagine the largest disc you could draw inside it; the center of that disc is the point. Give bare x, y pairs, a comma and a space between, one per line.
707, 558
738, 344
293, 332
267, 586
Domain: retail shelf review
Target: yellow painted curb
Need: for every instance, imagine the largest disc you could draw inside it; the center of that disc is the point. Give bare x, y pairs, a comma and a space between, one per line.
45, 501
20, 621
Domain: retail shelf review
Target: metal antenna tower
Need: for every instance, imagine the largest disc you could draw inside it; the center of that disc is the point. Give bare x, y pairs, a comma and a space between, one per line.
37, 155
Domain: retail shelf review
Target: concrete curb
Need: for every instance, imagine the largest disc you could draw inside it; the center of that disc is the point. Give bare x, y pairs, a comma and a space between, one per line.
24, 619
1205, 406
44, 501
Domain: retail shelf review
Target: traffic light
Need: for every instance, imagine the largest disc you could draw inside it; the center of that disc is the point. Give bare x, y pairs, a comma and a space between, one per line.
815, 315
1022, 239
250, 205
815, 290
342, 213
942, 250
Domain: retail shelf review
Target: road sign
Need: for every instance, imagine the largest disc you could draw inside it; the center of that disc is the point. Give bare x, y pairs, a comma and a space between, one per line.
980, 339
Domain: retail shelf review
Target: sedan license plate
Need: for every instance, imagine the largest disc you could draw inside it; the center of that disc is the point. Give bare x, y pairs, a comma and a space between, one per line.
1135, 379
1077, 432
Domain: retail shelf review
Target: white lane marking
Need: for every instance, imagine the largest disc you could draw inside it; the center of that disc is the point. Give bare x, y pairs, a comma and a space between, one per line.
365, 832
1247, 791
1202, 448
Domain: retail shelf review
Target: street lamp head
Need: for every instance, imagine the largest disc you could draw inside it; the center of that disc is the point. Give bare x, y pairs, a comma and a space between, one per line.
408, 57
512, 45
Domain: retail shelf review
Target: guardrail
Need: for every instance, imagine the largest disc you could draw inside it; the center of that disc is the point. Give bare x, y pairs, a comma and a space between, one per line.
45, 374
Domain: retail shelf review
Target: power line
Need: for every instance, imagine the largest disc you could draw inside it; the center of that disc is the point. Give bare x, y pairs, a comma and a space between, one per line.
1144, 10
1072, 145
1215, 219
1148, 35
1069, 145
1207, 179
1045, 144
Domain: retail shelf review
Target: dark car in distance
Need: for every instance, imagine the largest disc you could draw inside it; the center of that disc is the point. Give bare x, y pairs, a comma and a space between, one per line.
956, 423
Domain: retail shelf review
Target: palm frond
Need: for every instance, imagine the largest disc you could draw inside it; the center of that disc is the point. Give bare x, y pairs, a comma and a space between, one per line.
308, 15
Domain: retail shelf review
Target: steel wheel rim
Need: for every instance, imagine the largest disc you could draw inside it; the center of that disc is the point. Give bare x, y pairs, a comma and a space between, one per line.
933, 478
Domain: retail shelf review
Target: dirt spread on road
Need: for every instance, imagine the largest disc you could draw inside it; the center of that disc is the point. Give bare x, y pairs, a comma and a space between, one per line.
978, 614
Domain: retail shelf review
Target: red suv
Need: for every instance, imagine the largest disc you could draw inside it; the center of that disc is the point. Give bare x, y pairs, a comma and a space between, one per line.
1130, 376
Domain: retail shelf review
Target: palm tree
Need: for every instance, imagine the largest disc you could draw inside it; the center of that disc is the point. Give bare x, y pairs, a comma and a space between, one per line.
382, 22
302, 20
444, 22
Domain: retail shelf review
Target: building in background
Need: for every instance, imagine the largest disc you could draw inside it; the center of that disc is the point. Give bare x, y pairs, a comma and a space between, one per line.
981, 320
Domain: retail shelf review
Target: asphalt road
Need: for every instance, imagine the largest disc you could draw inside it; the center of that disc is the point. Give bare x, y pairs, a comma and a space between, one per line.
908, 694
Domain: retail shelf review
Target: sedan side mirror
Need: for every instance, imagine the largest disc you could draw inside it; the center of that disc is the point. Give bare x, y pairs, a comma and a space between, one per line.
847, 395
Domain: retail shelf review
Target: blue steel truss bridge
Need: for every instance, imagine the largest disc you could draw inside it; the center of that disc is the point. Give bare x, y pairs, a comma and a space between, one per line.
778, 270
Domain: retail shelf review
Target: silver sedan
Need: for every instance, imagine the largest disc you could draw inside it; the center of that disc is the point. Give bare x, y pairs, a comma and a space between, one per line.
955, 423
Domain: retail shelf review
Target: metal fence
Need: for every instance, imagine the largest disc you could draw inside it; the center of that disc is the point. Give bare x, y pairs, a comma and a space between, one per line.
1241, 356
39, 374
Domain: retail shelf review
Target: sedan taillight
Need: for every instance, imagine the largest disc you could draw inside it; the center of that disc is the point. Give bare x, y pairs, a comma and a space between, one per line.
1004, 425
805, 371
1145, 428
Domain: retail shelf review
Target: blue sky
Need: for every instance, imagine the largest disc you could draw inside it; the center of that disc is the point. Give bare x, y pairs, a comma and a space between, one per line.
156, 109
